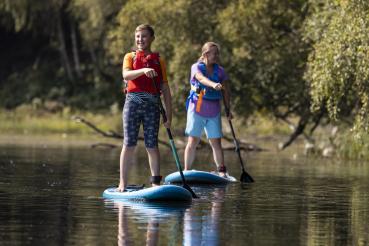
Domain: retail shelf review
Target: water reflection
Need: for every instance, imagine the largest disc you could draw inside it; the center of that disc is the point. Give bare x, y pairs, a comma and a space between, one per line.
204, 230
152, 230
198, 228
151, 215
52, 196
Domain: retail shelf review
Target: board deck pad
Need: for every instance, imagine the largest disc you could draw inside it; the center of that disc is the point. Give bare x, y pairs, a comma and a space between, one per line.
157, 193
199, 177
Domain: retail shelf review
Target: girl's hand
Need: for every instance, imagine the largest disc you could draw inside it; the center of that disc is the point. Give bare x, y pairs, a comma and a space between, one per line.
230, 116
217, 86
149, 72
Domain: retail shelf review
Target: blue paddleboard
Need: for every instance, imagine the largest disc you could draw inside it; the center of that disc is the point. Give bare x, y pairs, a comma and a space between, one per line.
199, 177
157, 193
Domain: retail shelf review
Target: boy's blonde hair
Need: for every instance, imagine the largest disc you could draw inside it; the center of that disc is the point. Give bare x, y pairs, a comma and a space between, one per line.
145, 27
206, 48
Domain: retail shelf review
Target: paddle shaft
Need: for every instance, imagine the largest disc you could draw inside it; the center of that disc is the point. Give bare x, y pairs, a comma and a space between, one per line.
172, 145
234, 135
244, 176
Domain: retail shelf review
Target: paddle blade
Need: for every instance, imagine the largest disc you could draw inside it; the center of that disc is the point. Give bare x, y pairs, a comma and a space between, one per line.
190, 190
246, 178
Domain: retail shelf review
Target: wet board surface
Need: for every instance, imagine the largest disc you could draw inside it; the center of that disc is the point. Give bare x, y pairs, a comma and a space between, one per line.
157, 193
199, 177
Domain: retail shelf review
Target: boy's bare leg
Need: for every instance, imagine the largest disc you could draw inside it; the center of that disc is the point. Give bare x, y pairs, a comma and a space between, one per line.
154, 158
126, 158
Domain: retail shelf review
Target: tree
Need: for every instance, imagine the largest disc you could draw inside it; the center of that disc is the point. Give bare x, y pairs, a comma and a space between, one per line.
338, 67
56, 59
266, 57
181, 29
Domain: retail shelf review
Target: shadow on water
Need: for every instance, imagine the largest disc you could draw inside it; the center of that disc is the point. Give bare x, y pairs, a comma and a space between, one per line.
52, 196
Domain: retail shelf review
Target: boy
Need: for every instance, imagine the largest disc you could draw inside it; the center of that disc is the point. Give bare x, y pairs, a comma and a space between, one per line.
141, 69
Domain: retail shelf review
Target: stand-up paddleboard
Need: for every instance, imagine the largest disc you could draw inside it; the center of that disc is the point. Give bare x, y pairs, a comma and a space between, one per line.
199, 177
157, 193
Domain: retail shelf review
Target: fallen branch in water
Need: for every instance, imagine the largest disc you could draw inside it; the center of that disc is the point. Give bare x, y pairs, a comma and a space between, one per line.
109, 134
203, 144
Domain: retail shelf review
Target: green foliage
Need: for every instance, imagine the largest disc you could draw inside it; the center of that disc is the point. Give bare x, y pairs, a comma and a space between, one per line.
181, 27
261, 46
351, 147
283, 57
338, 68
65, 55
266, 55
94, 17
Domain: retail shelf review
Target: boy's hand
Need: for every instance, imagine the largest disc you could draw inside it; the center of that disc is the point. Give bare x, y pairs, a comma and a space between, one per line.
149, 72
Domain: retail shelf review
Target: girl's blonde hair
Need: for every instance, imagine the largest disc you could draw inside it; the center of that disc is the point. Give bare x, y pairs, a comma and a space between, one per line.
206, 48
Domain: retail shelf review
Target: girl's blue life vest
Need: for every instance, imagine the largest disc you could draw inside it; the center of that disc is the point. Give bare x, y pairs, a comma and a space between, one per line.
209, 93
206, 92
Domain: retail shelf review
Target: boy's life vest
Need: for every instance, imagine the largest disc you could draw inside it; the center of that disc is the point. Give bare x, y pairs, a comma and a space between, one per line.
144, 83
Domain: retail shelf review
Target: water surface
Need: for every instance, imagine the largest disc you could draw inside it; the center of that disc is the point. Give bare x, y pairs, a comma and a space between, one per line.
51, 195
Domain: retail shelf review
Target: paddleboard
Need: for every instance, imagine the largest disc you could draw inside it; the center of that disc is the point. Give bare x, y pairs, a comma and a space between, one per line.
158, 193
199, 177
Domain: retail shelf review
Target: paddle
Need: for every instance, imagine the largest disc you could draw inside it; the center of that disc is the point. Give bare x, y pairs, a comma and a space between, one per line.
172, 145
245, 177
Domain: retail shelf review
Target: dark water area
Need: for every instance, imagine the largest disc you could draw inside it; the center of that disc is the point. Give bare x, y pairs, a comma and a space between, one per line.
52, 196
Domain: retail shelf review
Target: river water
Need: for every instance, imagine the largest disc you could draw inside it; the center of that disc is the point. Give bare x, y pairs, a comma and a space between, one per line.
51, 195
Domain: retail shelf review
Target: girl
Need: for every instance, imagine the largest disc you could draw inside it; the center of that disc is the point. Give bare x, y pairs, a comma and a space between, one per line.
208, 79
141, 69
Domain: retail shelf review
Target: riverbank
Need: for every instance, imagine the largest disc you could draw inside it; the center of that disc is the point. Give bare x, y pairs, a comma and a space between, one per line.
29, 121
56, 140
26, 121
28, 125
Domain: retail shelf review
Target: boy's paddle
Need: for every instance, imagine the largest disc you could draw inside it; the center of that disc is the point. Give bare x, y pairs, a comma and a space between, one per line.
172, 145
245, 177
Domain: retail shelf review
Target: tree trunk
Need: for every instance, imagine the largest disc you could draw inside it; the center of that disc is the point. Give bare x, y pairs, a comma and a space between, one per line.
77, 64
97, 69
298, 131
63, 48
93, 58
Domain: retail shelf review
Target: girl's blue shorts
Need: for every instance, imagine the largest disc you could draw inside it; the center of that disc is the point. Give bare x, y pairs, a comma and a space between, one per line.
196, 123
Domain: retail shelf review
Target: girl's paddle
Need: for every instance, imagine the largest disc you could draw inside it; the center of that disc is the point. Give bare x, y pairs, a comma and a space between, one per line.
245, 177
172, 145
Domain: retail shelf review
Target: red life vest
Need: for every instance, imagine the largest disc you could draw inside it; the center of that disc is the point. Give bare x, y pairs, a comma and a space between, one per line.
144, 83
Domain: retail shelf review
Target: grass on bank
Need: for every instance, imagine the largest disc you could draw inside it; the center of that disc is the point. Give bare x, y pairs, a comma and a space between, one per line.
353, 147
27, 120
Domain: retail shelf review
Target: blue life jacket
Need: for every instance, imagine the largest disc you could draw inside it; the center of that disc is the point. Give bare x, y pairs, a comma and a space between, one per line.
210, 93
